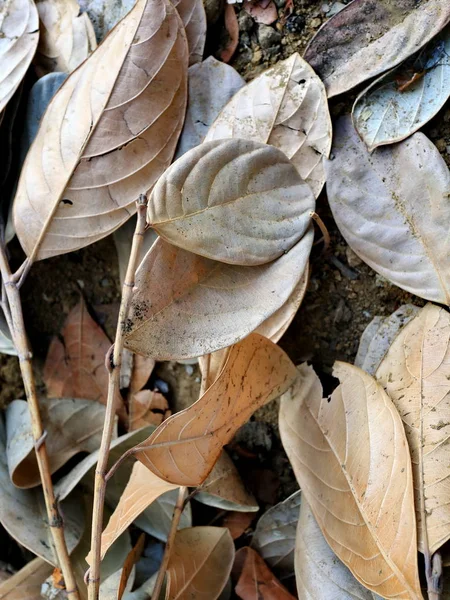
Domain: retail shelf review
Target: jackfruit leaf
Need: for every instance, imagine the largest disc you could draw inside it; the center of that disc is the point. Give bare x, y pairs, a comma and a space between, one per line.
256, 581
26, 583
193, 15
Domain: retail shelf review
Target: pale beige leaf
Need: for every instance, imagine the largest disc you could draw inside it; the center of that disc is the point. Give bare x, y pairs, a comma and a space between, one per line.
350, 456
416, 374
237, 201
192, 13
66, 39
285, 106
146, 408
26, 583
200, 563
19, 34
212, 303
106, 136
184, 449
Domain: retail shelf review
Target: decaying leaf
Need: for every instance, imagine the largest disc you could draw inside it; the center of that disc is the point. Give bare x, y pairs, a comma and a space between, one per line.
212, 303
238, 522
128, 565
399, 103
19, 34
274, 537
415, 373
285, 106
147, 408
318, 571
100, 146
391, 207
206, 202
369, 37
192, 13
211, 84
350, 455
26, 583
184, 449
66, 38
200, 563
256, 581
232, 27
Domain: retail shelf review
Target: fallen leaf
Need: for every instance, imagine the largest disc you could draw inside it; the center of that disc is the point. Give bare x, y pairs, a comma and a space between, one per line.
211, 84
415, 373
386, 112
75, 367
200, 563
193, 15
285, 106
123, 239
350, 456
369, 37
389, 207
6, 343
256, 581
210, 366
231, 181
67, 37
274, 537
147, 408
128, 565
379, 335
72, 426
318, 571
19, 32
232, 28
184, 449
237, 522
26, 583
100, 146
142, 369
261, 12
214, 304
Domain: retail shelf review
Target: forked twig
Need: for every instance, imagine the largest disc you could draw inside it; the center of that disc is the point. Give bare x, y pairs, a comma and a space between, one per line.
113, 389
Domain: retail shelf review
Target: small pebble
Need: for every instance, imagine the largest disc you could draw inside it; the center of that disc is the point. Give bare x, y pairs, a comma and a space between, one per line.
441, 145
257, 57
352, 258
295, 23
245, 21
162, 386
315, 23
268, 37
189, 369
335, 8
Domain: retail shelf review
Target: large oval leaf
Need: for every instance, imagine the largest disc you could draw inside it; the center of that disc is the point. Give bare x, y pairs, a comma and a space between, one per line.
350, 456
107, 135
213, 304
393, 209
237, 201
285, 106
371, 36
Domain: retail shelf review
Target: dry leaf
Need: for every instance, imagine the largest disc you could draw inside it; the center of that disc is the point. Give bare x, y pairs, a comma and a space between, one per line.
26, 583
207, 200
232, 27
200, 563
128, 565
256, 581
391, 208
368, 37
212, 303
350, 456
184, 449
238, 522
123, 239
261, 11
75, 367
147, 408
6, 343
19, 34
67, 36
107, 135
415, 373
285, 106
211, 365
193, 15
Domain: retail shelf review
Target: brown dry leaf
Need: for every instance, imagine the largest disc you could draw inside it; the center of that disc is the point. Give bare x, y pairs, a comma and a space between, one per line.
206, 202
200, 563
262, 11
415, 373
19, 34
131, 559
26, 583
368, 37
350, 456
184, 449
140, 374
238, 522
67, 36
106, 136
232, 27
147, 408
214, 304
211, 365
285, 106
192, 13
75, 368
257, 582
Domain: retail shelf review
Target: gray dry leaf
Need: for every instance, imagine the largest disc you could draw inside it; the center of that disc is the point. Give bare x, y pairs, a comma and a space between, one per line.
369, 37
123, 238
350, 456
26, 583
211, 84
67, 37
19, 34
392, 209
274, 537
385, 113
379, 335
285, 106
236, 201
213, 303
416, 374
107, 135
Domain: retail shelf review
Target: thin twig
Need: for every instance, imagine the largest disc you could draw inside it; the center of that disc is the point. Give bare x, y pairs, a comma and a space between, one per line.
326, 236
179, 507
113, 390
13, 311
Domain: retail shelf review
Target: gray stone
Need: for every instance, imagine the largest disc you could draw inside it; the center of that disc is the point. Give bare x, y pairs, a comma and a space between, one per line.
268, 37
245, 21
